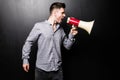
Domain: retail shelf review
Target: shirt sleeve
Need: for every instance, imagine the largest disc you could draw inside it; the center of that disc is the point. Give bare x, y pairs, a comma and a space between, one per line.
32, 37
68, 41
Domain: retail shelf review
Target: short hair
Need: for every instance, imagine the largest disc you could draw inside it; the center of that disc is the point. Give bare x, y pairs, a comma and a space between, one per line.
57, 5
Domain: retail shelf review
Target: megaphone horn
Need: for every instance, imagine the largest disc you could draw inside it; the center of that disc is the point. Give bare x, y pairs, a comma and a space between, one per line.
86, 25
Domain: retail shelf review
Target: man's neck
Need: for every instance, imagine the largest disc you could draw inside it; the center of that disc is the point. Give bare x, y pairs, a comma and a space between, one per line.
52, 21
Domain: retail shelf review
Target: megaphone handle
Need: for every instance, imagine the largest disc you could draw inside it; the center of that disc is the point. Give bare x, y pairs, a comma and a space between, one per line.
73, 26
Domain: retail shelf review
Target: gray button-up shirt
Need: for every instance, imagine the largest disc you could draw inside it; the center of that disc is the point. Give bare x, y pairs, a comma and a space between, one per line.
49, 45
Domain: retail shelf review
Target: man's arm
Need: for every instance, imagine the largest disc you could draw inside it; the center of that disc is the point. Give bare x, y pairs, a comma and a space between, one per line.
32, 37
68, 41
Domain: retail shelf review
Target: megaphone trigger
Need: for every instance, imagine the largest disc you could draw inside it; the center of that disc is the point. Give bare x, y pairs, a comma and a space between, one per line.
73, 26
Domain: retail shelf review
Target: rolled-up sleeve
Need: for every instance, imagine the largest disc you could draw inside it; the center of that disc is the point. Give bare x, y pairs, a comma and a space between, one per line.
68, 41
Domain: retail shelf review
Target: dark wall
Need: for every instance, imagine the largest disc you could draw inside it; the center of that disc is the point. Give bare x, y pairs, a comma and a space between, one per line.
89, 57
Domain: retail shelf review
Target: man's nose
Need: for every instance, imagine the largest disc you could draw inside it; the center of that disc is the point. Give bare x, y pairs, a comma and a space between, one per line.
64, 15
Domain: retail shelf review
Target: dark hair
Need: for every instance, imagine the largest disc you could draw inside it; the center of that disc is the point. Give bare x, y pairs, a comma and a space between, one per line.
57, 5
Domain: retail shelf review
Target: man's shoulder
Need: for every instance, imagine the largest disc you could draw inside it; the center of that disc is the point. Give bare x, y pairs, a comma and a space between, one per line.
40, 23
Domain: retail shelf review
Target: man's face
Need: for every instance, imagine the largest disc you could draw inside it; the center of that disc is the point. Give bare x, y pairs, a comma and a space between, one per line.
60, 14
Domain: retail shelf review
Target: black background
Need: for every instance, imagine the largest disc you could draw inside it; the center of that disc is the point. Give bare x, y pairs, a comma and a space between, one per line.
91, 57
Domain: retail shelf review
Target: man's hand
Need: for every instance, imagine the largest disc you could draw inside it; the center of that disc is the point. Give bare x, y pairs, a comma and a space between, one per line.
74, 30
26, 67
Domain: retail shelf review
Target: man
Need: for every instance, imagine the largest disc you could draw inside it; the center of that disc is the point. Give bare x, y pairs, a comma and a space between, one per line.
50, 36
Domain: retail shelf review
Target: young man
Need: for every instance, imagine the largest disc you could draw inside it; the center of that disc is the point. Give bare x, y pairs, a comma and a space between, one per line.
50, 36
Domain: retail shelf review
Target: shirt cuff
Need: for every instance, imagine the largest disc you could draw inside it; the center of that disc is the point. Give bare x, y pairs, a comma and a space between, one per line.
71, 37
25, 61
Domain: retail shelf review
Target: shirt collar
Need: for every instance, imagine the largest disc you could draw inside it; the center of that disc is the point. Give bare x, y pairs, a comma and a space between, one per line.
46, 21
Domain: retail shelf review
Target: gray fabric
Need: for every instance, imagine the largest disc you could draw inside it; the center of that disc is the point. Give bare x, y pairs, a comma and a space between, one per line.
49, 45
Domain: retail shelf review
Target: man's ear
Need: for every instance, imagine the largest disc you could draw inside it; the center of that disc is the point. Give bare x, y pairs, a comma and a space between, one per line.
55, 11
